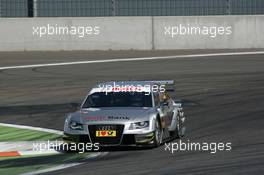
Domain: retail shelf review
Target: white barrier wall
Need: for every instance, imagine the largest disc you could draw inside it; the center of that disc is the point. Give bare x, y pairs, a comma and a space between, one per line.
216, 32
119, 33
125, 33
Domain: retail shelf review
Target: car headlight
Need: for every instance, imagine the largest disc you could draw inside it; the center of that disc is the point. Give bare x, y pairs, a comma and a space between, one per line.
139, 125
75, 125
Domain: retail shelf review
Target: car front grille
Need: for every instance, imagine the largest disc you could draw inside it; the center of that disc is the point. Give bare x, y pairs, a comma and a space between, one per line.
106, 140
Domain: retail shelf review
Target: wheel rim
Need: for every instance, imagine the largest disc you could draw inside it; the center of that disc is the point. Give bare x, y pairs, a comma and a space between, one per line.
158, 133
179, 126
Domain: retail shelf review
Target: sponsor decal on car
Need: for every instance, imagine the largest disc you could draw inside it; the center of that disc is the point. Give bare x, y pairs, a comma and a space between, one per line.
117, 117
95, 118
106, 133
110, 117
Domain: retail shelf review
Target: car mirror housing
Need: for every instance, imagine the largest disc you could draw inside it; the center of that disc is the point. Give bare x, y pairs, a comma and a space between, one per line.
163, 104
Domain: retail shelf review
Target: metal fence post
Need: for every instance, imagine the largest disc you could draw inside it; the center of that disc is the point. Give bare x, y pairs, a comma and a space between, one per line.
113, 7
30, 8
35, 7
228, 7
0, 8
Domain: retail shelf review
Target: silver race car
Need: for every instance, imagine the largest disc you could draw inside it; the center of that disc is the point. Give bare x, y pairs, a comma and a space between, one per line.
131, 113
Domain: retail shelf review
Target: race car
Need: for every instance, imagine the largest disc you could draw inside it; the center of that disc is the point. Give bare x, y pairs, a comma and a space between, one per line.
129, 113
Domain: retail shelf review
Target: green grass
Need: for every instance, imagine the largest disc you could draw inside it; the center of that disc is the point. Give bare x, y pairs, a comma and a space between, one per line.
8, 134
25, 164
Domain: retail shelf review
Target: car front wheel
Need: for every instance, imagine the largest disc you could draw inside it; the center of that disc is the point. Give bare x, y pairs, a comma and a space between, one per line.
158, 134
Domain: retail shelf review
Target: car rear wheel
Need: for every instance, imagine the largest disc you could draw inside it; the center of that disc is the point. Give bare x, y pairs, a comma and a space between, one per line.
180, 129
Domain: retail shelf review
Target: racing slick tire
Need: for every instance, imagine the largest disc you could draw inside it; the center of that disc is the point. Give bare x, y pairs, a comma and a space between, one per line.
180, 128
158, 134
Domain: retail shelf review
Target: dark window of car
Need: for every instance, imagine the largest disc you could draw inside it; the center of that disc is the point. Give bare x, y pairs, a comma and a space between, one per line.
118, 99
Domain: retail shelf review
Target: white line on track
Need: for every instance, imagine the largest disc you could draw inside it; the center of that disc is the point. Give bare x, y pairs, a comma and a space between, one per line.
63, 166
131, 59
55, 168
53, 131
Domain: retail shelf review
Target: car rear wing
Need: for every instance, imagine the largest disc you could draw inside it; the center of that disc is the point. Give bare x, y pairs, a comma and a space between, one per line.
168, 84
162, 82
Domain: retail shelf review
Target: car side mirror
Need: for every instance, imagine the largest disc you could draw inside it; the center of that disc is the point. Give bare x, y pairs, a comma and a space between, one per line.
164, 104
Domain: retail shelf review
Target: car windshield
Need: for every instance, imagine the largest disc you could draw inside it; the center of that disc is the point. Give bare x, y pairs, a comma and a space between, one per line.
118, 99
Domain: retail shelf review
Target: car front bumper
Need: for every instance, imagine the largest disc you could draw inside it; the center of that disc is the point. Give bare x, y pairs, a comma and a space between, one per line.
126, 139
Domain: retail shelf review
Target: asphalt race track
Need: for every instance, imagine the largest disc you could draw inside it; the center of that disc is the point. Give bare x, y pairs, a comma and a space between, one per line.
224, 98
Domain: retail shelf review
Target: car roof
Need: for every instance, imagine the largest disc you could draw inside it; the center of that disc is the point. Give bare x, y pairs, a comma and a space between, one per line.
128, 83
122, 86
